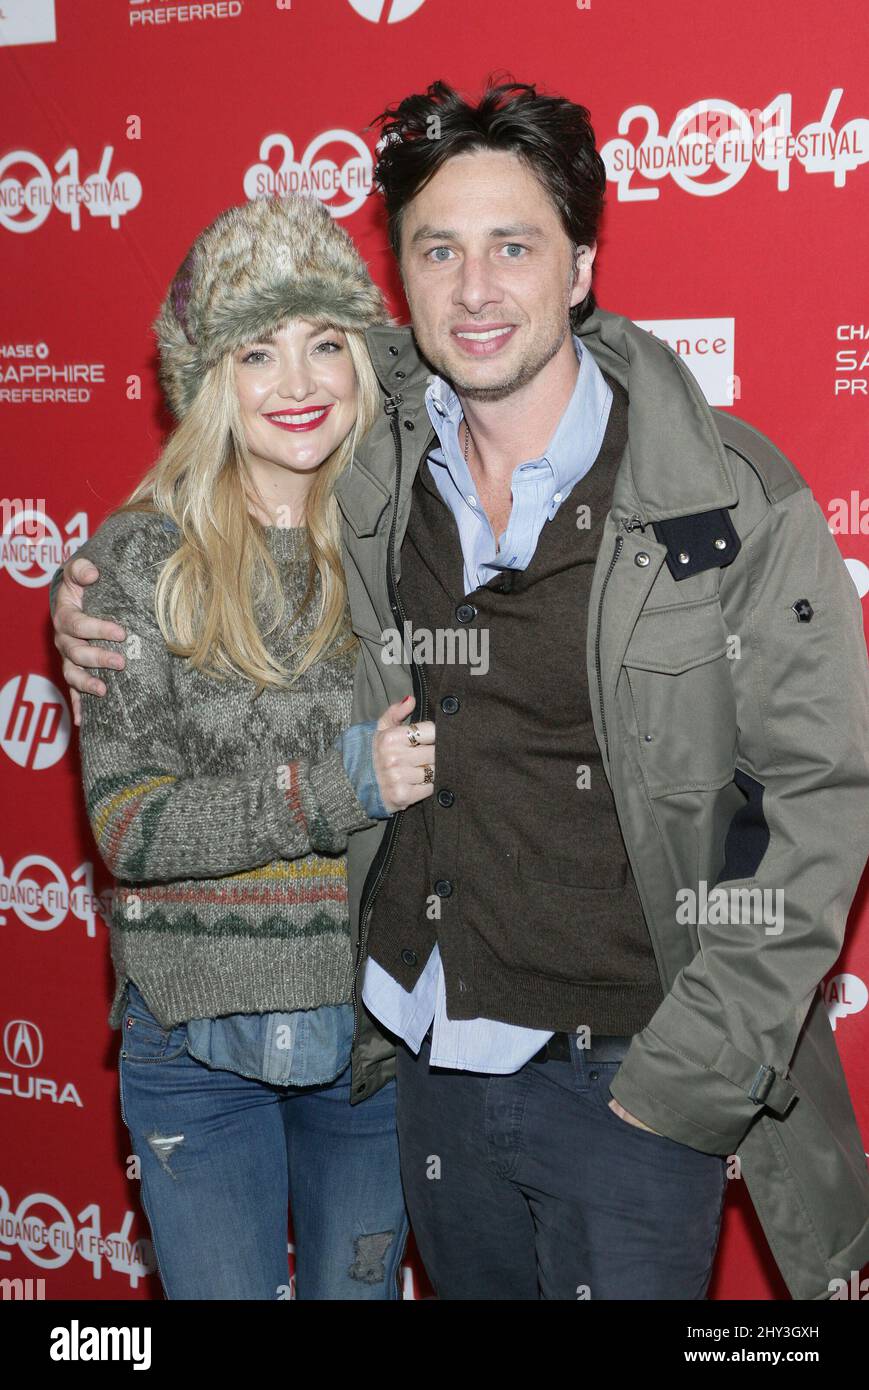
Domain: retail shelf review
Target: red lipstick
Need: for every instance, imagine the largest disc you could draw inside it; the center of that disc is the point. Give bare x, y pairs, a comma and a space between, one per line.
308, 417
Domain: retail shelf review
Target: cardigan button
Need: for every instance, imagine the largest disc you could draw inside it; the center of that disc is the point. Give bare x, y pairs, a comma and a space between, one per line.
466, 612
409, 957
443, 888
446, 797
449, 704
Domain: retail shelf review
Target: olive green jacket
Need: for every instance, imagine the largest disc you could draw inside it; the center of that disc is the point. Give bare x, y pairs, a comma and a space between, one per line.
734, 731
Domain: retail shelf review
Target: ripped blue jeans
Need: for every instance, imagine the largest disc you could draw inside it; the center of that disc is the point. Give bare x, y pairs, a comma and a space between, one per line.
224, 1157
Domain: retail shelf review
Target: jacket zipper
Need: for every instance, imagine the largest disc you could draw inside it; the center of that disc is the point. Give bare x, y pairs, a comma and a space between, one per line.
386, 849
631, 523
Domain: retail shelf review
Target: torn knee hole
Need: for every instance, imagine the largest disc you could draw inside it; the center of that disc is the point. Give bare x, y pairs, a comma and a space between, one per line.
163, 1147
369, 1266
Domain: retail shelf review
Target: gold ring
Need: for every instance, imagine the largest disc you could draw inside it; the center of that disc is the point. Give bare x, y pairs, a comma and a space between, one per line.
413, 734
428, 772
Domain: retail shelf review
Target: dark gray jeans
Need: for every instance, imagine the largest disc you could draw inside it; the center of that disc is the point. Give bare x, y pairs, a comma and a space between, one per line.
528, 1186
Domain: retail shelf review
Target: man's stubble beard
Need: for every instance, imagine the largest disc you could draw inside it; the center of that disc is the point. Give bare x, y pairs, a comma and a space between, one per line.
499, 391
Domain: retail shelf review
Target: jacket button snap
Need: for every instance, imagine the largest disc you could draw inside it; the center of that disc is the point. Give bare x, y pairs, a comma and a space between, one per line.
443, 888
466, 612
393, 351
399, 376
446, 797
408, 956
449, 704
641, 559
409, 425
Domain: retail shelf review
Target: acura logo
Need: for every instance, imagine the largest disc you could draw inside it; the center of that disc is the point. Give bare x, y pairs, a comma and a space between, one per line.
22, 1043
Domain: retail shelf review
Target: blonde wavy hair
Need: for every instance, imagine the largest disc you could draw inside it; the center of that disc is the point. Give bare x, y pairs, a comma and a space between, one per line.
222, 576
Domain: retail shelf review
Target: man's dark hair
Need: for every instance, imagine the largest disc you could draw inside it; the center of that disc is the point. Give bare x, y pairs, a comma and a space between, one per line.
551, 134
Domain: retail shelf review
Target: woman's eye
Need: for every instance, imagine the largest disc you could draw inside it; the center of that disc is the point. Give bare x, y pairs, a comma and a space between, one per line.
330, 344
253, 354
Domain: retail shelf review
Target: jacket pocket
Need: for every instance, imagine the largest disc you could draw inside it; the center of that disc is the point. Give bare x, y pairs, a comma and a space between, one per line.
568, 920
682, 697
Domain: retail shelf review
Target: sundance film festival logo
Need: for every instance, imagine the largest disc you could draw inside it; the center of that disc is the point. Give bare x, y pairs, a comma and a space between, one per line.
29, 190
336, 168
39, 894
711, 145
22, 1043
34, 722
31, 545
390, 11
50, 1238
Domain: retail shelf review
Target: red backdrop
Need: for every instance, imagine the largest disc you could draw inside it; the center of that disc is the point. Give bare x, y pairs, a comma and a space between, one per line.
735, 138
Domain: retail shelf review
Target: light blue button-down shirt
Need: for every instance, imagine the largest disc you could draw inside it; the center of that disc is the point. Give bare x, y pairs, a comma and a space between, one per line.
540, 486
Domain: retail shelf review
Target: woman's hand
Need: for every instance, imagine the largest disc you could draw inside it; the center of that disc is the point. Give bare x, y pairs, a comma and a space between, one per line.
399, 764
72, 628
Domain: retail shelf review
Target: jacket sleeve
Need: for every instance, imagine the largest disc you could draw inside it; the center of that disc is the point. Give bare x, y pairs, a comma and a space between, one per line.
153, 818
719, 1046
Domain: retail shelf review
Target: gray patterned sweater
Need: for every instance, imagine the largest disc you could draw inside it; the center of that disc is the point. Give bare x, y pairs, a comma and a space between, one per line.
224, 819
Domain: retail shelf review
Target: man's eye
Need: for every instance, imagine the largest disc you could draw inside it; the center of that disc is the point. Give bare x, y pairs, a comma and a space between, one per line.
433, 254
514, 246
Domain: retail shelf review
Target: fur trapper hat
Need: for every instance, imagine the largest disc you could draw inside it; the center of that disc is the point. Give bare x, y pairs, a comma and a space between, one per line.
255, 267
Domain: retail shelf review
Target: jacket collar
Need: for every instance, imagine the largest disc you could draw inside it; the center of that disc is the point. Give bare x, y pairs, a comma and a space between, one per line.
674, 464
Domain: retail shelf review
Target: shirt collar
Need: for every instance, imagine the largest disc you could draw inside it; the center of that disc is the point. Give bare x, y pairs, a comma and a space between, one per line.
579, 422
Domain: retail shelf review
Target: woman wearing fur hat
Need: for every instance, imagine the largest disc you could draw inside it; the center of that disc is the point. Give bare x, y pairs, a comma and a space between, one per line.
217, 777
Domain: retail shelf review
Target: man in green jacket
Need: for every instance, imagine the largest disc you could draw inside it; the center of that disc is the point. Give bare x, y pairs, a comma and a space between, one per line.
599, 941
